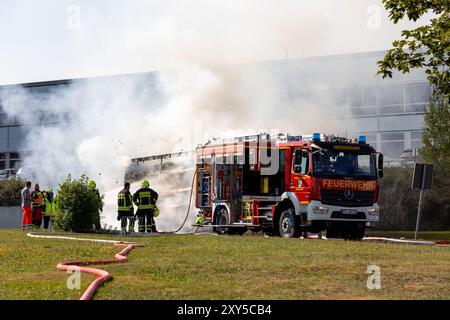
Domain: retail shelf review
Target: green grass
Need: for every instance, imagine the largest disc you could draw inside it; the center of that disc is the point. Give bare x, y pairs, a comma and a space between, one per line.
226, 267
423, 235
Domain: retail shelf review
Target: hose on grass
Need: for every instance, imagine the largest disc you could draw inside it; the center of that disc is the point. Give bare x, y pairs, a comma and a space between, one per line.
81, 266
120, 257
188, 211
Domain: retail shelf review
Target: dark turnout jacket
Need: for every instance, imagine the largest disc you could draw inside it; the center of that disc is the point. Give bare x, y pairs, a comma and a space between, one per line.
145, 199
125, 203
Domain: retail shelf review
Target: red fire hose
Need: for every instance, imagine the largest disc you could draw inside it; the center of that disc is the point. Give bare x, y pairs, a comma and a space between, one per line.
102, 275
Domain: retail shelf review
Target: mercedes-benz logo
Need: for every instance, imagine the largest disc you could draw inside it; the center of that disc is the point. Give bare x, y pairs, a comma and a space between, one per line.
348, 194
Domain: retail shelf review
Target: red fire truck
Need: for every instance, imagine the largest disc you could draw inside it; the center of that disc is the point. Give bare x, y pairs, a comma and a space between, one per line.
287, 185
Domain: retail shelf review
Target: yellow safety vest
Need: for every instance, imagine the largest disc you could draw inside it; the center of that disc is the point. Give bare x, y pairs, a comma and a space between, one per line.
50, 207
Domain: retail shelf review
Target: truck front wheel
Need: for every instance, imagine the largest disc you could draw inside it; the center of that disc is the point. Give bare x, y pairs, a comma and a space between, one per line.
288, 226
357, 233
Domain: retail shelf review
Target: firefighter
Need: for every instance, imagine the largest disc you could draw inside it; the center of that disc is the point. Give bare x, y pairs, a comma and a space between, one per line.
145, 199
27, 202
93, 186
49, 208
125, 211
37, 206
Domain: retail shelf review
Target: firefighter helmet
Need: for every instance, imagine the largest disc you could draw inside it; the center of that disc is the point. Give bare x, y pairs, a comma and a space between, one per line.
155, 212
145, 183
92, 184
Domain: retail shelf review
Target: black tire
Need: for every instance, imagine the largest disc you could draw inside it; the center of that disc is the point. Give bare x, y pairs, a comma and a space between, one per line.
221, 219
288, 225
358, 233
237, 231
332, 233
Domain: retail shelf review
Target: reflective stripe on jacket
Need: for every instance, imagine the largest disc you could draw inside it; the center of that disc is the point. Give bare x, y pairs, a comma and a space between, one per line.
125, 201
145, 198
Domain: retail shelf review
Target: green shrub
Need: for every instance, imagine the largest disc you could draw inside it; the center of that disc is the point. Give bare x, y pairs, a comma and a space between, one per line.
78, 206
10, 192
398, 202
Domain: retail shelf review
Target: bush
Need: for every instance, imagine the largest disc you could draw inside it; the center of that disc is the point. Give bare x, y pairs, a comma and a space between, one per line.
10, 192
398, 202
78, 206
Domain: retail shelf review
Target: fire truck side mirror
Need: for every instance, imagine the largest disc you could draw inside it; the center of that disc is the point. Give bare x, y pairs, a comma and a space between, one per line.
380, 165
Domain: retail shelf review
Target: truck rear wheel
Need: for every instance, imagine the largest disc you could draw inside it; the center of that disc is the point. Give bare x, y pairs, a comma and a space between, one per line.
221, 219
288, 227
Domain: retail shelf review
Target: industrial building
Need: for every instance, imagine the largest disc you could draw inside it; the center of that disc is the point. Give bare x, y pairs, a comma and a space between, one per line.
390, 112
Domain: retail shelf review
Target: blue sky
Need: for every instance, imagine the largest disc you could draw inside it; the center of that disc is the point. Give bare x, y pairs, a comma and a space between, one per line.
56, 39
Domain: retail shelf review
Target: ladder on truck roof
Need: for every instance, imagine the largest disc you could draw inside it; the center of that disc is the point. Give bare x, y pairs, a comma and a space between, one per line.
163, 156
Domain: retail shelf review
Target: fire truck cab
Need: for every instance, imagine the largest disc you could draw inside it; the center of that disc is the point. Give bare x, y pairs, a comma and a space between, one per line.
287, 185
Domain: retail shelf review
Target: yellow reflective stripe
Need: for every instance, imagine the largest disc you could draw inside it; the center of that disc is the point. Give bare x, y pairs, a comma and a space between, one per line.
144, 195
122, 205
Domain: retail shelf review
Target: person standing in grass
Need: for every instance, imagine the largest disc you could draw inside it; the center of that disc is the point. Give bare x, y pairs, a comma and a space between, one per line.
26, 205
145, 199
38, 203
49, 207
125, 211
92, 185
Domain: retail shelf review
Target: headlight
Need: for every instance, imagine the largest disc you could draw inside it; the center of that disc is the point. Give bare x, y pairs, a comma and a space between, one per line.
320, 210
373, 212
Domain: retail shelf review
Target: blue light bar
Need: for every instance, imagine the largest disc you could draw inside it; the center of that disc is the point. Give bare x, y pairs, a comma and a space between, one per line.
316, 136
362, 139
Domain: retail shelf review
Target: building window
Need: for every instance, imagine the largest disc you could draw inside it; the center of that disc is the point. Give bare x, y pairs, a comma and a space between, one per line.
417, 93
363, 111
392, 95
355, 97
393, 149
416, 139
392, 136
393, 109
14, 164
416, 108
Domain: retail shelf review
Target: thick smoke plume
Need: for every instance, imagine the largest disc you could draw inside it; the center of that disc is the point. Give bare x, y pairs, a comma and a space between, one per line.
98, 125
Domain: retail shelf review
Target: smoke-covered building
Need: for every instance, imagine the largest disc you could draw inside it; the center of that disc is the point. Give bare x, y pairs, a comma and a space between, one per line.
389, 112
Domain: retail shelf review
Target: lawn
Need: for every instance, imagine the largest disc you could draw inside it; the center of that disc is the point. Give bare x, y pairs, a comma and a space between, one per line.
227, 267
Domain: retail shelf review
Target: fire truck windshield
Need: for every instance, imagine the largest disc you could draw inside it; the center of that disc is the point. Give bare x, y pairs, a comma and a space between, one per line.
328, 164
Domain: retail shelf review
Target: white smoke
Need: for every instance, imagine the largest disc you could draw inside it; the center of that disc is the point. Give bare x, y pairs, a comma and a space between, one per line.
115, 119
112, 121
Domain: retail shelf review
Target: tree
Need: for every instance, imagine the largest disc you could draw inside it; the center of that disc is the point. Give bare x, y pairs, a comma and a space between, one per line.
436, 136
10, 192
78, 205
426, 47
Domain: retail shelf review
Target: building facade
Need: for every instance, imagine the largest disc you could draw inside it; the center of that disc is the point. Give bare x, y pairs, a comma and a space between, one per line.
390, 112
